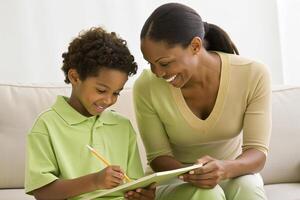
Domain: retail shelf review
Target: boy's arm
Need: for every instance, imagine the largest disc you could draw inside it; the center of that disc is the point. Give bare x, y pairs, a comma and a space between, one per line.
142, 193
109, 177
63, 189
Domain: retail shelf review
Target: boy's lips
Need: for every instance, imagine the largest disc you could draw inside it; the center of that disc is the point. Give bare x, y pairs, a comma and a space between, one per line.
100, 108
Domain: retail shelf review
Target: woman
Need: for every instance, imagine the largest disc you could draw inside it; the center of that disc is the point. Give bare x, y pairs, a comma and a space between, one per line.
202, 104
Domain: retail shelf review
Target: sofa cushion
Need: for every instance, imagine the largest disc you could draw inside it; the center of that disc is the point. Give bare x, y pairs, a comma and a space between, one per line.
287, 191
283, 161
15, 194
20, 106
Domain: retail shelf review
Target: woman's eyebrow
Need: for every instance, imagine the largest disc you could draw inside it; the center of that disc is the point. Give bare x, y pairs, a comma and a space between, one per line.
160, 58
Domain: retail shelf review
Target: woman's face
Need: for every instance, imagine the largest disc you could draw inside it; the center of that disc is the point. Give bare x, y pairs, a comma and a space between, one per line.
176, 64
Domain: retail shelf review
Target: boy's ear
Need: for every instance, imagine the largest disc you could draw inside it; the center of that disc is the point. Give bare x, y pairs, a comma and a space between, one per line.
196, 45
73, 76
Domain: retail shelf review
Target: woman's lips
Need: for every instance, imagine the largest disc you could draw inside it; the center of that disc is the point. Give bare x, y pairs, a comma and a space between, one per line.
171, 79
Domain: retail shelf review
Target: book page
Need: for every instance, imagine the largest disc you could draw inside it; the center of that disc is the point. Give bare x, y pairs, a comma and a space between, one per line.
157, 178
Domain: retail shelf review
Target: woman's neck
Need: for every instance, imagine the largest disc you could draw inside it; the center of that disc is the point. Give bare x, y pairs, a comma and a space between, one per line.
208, 71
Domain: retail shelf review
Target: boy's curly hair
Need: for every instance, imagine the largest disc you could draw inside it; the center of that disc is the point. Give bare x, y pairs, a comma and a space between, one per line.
94, 49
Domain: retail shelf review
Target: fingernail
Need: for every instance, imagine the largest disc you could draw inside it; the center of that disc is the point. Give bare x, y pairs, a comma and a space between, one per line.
191, 172
139, 190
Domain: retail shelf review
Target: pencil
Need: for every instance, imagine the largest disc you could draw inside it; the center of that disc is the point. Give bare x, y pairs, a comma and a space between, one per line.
101, 158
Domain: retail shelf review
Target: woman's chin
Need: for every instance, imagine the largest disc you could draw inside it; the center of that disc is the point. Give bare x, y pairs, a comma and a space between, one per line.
178, 84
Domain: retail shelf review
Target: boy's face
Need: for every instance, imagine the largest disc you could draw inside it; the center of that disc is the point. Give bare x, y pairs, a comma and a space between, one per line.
93, 95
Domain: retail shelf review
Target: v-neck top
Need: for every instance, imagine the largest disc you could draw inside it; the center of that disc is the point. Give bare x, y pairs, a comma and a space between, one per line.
187, 113
239, 120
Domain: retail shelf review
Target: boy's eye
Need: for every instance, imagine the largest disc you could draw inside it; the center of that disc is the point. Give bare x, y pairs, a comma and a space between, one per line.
117, 94
100, 91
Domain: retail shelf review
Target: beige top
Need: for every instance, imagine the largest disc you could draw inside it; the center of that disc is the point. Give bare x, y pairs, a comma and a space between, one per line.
240, 119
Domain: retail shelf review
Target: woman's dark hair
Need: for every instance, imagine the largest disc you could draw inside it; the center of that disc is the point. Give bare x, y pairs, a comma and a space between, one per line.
95, 49
175, 23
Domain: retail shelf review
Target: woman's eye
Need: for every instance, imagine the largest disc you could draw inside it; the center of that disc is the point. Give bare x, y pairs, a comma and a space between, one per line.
164, 64
149, 63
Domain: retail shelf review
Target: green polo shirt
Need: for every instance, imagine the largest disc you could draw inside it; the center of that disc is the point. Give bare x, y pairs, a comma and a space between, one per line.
56, 145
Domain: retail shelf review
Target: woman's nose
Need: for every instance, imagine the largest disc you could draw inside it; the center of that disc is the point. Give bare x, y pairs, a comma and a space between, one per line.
158, 71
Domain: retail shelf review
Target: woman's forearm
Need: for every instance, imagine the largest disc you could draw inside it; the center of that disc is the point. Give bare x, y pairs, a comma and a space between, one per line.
164, 163
63, 189
250, 161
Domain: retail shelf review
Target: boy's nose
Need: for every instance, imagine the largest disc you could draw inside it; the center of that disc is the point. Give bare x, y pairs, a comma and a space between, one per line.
108, 100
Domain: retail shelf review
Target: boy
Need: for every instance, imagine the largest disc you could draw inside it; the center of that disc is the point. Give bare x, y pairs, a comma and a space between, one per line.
59, 165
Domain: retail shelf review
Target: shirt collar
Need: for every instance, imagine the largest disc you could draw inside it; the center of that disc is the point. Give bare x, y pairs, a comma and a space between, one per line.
72, 116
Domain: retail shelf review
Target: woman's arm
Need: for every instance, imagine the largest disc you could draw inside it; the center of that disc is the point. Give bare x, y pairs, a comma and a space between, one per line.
250, 161
151, 127
214, 171
109, 177
164, 163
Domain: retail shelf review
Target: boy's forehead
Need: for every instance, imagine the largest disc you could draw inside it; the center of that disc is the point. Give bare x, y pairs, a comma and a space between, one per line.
105, 71
111, 78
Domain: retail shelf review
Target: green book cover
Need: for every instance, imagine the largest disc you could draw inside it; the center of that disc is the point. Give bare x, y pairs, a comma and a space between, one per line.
157, 178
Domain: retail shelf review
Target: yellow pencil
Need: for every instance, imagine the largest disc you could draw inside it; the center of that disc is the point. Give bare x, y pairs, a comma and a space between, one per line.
103, 159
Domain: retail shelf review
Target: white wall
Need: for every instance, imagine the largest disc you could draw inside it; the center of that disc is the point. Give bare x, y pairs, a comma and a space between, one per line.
34, 33
289, 21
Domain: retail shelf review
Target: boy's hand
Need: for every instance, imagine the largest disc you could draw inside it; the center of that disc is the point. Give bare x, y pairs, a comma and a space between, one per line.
109, 177
147, 193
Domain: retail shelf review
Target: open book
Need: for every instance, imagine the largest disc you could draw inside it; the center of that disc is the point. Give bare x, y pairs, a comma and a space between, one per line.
157, 178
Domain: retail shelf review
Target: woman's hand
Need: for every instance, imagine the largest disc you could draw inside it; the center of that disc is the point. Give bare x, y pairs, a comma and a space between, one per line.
209, 175
109, 177
147, 193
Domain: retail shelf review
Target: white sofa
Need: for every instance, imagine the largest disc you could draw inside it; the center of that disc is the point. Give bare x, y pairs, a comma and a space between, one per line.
20, 104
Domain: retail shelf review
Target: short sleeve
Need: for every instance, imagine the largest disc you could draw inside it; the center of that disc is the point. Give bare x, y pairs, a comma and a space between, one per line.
257, 120
150, 126
41, 165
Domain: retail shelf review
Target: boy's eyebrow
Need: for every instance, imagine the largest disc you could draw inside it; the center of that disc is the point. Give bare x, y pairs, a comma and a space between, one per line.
101, 84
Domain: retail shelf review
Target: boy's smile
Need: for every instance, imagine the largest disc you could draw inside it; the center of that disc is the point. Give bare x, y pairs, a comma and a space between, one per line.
96, 93
100, 108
